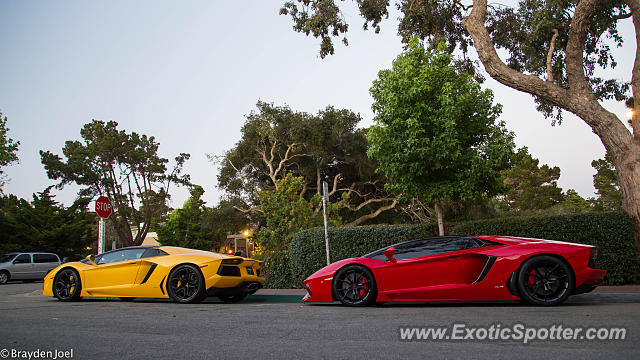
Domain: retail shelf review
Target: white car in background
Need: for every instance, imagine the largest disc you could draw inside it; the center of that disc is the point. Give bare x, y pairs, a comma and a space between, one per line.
27, 266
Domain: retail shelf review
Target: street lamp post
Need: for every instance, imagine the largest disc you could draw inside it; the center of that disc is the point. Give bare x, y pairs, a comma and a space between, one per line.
325, 200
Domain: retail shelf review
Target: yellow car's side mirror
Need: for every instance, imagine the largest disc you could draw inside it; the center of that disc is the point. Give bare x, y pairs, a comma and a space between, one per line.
92, 259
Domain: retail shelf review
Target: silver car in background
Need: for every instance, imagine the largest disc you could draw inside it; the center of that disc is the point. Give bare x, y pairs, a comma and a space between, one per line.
26, 266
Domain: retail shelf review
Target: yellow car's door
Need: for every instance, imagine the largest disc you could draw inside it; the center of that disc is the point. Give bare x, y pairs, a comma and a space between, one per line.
114, 274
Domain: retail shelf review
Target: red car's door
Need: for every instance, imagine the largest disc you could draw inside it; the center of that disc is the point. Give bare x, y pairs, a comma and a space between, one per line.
426, 269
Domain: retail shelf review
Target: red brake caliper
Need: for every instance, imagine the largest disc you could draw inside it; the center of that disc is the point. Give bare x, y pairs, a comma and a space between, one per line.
365, 287
532, 278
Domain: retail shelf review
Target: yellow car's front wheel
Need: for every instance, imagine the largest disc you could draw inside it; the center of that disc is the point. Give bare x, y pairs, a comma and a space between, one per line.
186, 284
67, 285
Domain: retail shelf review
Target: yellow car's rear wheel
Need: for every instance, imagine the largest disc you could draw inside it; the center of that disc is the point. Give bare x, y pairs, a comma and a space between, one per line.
186, 284
67, 285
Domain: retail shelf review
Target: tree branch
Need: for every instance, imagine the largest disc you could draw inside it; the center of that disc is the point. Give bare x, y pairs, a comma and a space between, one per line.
578, 82
286, 158
552, 48
367, 202
497, 69
577, 100
250, 210
335, 184
373, 215
463, 7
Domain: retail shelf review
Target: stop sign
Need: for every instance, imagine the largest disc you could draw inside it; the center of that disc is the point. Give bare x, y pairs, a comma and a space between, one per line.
103, 207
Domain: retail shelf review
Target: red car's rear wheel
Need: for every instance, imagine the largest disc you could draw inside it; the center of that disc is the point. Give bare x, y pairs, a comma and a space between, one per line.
545, 280
354, 285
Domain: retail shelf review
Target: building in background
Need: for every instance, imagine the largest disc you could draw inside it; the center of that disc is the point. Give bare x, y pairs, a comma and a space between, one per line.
238, 244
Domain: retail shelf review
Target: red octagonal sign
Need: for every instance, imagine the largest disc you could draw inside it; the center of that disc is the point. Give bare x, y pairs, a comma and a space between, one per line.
103, 207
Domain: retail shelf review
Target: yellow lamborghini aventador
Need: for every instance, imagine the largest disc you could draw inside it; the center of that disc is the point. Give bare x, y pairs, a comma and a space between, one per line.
185, 275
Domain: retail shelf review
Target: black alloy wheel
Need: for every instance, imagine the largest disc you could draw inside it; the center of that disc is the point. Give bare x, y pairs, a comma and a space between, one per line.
545, 280
186, 284
354, 285
67, 285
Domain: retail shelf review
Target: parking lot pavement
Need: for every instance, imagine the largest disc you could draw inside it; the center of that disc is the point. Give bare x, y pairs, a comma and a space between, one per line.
160, 329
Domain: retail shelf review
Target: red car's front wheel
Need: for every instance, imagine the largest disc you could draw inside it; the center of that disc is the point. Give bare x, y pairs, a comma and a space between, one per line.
354, 285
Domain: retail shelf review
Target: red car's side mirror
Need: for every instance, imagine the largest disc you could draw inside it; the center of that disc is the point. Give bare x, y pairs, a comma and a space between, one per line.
389, 254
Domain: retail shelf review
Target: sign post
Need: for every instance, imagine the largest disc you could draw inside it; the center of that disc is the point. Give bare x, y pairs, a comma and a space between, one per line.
325, 200
103, 209
101, 227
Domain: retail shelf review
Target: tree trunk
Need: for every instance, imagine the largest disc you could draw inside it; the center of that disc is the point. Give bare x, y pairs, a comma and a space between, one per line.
124, 234
628, 170
438, 209
632, 198
579, 98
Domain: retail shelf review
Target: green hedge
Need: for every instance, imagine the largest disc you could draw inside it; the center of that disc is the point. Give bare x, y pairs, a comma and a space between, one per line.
277, 270
307, 252
612, 232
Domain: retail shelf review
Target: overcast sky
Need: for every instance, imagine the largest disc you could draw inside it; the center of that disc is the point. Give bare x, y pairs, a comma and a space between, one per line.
187, 72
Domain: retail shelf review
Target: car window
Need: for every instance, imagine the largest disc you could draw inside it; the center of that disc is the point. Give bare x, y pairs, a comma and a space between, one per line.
23, 259
45, 258
120, 255
133, 254
7, 257
151, 252
424, 247
110, 257
429, 247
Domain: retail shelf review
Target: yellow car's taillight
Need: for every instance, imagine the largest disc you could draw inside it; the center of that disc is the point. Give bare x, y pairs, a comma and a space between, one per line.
234, 261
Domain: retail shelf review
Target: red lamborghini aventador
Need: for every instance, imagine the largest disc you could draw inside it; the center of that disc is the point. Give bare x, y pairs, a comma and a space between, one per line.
453, 268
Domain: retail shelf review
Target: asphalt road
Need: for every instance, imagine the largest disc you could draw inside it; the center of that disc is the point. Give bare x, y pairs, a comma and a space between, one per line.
266, 329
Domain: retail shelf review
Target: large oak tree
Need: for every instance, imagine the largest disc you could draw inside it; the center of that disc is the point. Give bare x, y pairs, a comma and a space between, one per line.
123, 166
326, 146
552, 49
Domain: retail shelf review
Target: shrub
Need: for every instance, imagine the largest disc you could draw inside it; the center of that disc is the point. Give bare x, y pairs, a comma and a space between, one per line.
307, 253
286, 213
277, 270
612, 232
